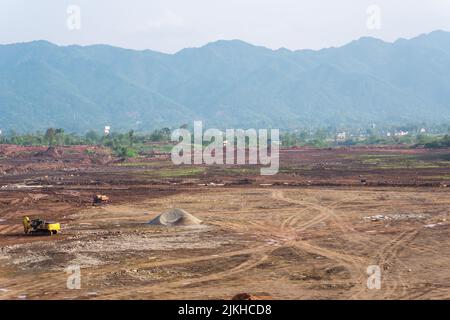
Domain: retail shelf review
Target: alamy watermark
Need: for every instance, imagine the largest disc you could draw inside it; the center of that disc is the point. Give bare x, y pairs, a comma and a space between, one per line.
73, 21
374, 279
373, 21
238, 143
74, 278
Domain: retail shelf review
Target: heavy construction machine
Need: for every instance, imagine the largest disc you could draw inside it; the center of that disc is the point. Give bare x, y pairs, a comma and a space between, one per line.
39, 226
100, 199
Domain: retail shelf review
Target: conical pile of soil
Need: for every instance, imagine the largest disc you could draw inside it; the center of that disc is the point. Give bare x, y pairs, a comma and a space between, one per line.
175, 217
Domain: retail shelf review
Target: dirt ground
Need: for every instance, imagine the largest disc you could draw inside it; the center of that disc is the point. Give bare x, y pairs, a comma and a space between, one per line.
310, 232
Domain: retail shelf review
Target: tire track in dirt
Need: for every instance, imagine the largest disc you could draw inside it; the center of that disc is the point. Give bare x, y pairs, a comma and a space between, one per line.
353, 263
386, 256
34, 285
346, 229
391, 256
12, 208
432, 294
249, 264
258, 255
44, 283
361, 267
3, 229
9, 229
323, 214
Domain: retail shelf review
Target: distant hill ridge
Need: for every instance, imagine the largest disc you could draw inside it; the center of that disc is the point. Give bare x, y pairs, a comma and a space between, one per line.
226, 84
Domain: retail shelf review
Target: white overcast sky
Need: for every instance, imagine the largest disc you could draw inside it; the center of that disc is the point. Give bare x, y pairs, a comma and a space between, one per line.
170, 25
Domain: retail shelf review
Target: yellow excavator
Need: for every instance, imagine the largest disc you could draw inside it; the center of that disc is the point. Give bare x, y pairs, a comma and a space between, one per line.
39, 226
100, 199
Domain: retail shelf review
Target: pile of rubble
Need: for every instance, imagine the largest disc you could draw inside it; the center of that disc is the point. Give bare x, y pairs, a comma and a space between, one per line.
390, 217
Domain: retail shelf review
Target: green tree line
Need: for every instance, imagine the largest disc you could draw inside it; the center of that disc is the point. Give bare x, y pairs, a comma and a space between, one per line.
123, 144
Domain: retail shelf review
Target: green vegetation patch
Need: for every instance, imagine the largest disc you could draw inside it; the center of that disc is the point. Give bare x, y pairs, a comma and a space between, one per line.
174, 173
439, 177
143, 164
166, 148
237, 170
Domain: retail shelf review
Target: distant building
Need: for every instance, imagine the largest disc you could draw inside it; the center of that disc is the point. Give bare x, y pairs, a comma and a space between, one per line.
341, 136
423, 130
401, 133
107, 130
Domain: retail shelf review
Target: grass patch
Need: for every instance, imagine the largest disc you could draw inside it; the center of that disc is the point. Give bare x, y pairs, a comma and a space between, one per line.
396, 161
296, 169
442, 177
160, 148
143, 164
410, 165
238, 171
401, 161
174, 173
388, 167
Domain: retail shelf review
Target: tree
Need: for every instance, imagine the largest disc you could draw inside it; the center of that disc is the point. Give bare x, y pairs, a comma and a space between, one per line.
303, 136
59, 135
50, 136
130, 137
165, 131
92, 137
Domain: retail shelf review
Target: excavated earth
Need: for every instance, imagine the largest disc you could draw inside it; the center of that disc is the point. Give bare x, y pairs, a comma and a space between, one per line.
310, 232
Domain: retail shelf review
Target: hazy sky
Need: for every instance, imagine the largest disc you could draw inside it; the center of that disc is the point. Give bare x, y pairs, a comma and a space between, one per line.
170, 25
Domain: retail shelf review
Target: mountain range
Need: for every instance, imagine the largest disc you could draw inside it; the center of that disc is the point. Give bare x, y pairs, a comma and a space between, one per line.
227, 84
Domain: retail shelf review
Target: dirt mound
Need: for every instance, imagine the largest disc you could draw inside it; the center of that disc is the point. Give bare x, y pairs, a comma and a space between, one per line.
14, 150
98, 155
175, 217
51, 152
